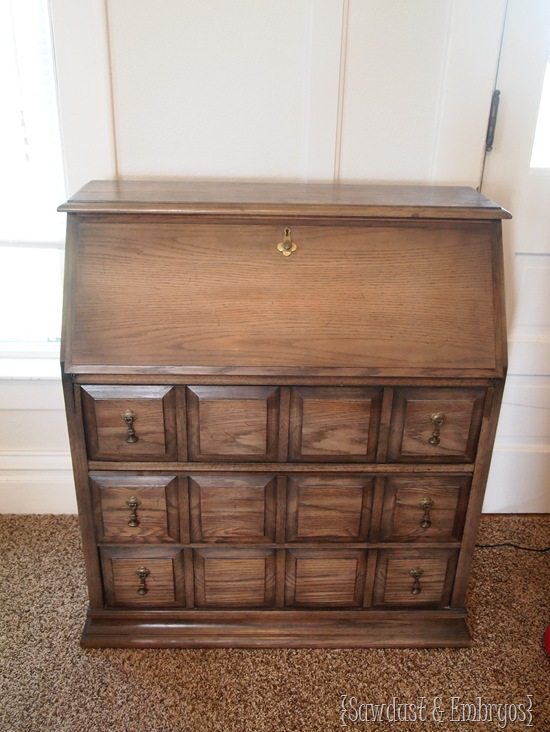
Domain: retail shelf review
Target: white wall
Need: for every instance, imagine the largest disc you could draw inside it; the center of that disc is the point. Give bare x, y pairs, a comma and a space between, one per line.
520, 473
294, 89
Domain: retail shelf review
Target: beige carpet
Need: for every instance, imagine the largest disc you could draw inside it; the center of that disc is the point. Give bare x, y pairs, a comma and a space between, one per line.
47, 682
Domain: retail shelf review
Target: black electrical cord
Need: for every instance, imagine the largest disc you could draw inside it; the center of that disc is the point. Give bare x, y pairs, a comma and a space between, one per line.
545, 550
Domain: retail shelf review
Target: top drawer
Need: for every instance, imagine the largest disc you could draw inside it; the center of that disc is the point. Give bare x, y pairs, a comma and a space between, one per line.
130, 422
435, 425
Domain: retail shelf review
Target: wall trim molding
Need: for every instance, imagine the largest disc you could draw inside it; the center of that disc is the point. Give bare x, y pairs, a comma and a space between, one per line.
34, 461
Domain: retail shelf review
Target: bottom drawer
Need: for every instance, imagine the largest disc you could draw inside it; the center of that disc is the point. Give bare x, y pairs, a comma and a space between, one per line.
252, 577
148, 577
414, 577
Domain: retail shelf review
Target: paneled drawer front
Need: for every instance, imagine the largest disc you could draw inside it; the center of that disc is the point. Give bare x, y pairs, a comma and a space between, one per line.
334, 424
414, 577
129, 422
135, 508
433, 425
146, 577
424, 508
227, 508
233, 422
232, 577
328, 508
325, 577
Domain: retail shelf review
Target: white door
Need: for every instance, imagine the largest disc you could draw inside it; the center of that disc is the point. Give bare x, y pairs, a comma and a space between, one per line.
517, 175
391, 90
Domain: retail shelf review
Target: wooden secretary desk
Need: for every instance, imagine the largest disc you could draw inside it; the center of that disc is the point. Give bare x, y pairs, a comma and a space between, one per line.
282, 401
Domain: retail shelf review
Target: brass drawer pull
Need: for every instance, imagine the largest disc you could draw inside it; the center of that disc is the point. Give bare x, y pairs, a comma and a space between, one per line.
438, 420
416, 574
426, 504
133, 504
287, 246
129, 418
142, 573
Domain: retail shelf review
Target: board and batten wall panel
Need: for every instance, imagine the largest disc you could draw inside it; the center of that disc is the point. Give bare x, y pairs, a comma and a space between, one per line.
386, 90
215, 89
418, 82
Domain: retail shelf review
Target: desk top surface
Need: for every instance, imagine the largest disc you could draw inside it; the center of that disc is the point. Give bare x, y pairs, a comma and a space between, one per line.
261, 198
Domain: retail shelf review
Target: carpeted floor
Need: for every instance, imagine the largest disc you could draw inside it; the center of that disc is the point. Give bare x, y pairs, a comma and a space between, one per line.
48, 683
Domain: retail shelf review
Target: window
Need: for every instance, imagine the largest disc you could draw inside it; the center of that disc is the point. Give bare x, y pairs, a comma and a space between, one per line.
31, 183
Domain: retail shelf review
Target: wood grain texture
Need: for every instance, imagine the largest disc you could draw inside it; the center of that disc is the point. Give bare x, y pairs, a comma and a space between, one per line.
284, 468
268, 198
234, 577
394, 583
165, 582
77, 441
275, 629
328, 508
202, 307
403, 513
156, 515
477, 492
412, 427
334, 424
154, 423
325, 577
238, 423
229, 508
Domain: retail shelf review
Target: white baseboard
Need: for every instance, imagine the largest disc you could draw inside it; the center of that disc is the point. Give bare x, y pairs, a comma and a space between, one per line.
519, 480
36, 482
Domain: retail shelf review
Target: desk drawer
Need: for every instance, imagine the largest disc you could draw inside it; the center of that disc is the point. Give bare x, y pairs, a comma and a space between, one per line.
145, 577
137, 509
431, 425
414, 577
129, 422
424, 508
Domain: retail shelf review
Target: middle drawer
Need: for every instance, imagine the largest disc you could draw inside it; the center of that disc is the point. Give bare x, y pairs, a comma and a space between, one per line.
263, 508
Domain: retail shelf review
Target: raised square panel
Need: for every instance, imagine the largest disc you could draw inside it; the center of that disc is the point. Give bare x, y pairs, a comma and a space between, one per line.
335, 508
234, 577
232, 508
325, 577
435, 425
334, 424
150, 576
135, 508
129, 422
424, 508
233, 422
414, 577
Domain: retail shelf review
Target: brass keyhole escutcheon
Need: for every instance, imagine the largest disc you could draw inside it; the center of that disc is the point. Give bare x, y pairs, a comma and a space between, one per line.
287, 246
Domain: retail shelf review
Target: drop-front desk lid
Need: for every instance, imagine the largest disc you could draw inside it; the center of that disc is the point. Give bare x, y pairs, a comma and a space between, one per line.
283, 280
